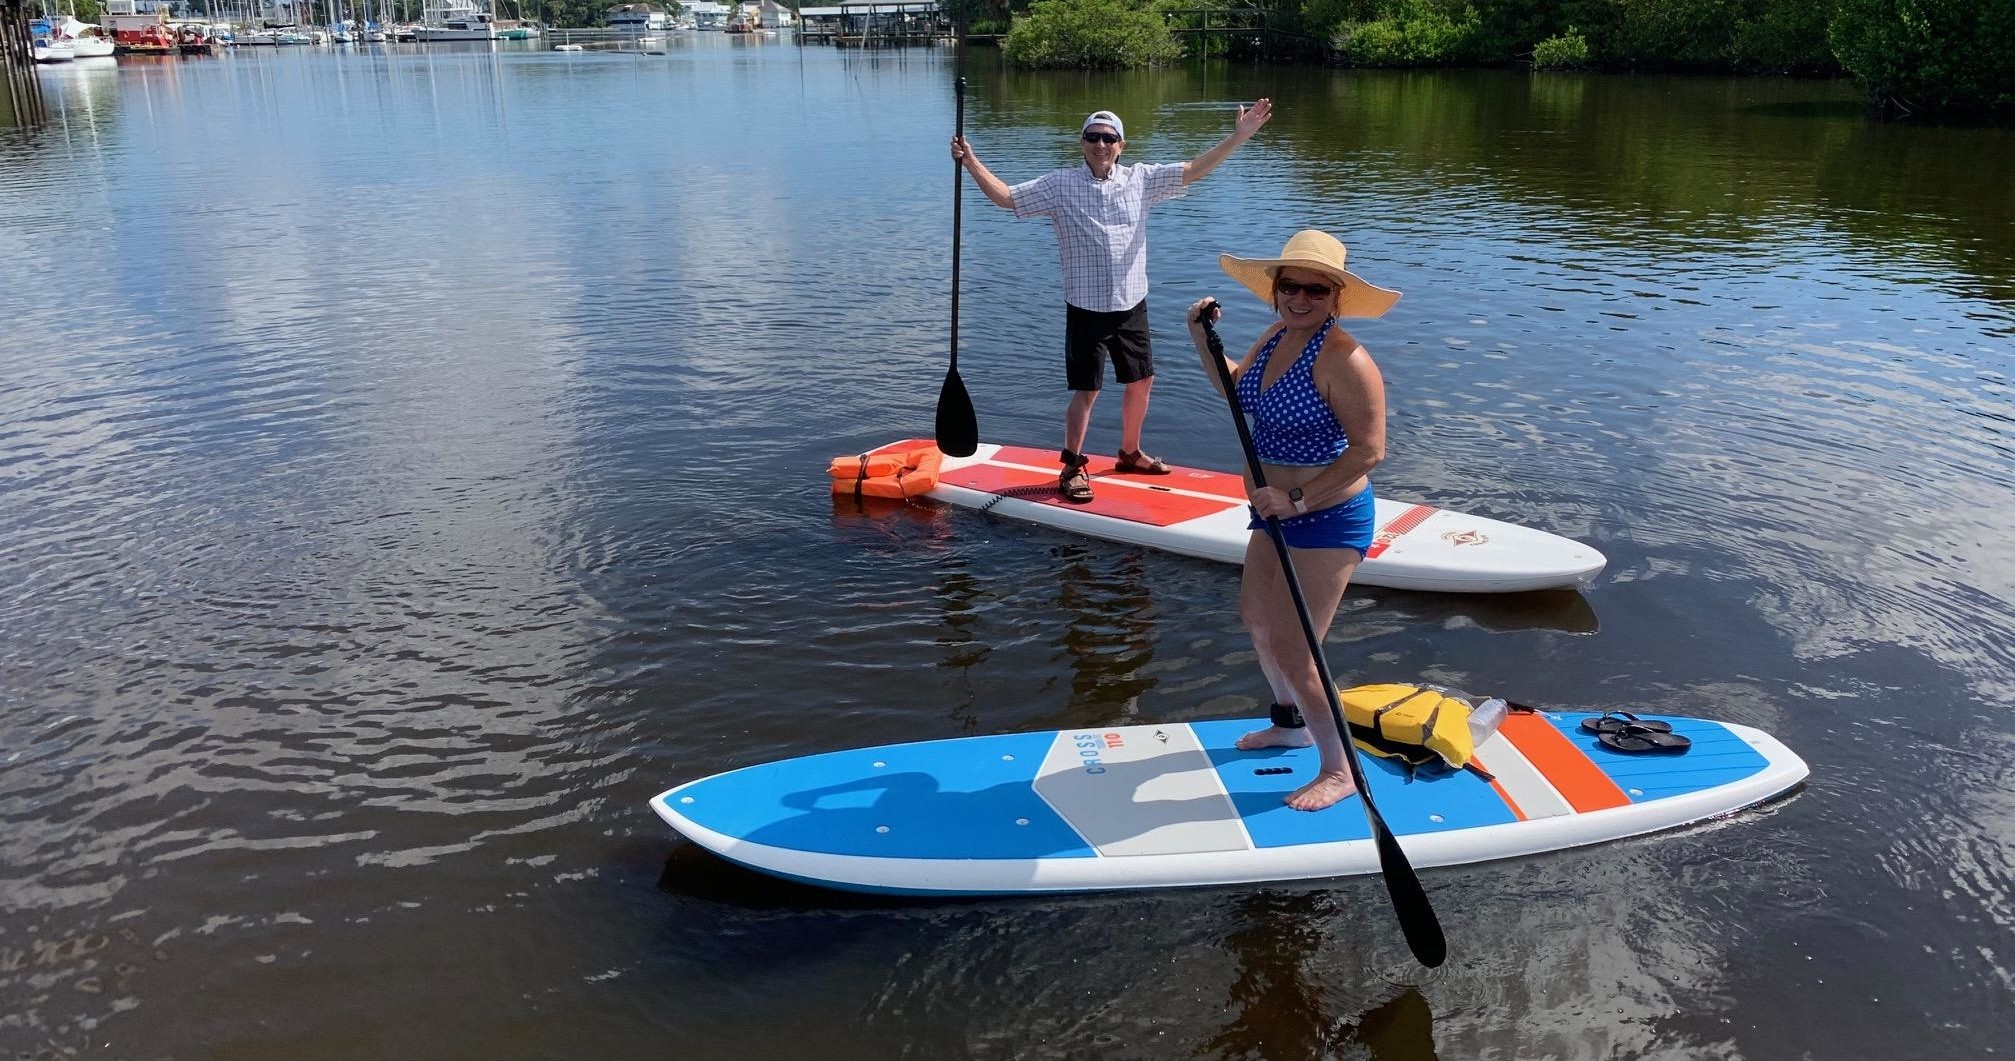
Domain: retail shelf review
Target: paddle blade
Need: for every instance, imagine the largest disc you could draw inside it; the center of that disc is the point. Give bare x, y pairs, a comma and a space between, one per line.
1409, 900
958, 430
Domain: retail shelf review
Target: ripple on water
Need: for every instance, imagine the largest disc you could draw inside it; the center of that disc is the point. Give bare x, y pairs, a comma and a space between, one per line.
410, 463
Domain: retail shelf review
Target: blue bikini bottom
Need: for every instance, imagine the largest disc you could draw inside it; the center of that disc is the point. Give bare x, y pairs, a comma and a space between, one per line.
1348, 525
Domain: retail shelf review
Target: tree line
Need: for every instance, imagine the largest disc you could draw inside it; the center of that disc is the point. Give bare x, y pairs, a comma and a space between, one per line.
1912, 55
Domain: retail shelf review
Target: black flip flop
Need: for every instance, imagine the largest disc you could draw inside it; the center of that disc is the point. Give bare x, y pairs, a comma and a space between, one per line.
1636, 741
1623, 721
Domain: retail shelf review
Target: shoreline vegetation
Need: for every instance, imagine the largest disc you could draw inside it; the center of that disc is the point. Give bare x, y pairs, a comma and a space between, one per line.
1912, 57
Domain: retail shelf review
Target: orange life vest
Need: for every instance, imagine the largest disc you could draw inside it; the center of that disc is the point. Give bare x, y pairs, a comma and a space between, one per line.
897, 474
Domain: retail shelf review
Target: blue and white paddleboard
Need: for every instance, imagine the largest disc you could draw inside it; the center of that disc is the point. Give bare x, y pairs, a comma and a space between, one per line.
1176, 805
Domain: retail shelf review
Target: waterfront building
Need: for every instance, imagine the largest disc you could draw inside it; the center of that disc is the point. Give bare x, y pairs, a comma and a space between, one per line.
637, 18
878, 22
139, 26
708, 15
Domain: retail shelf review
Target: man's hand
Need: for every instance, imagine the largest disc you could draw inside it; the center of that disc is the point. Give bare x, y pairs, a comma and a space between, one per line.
990, 185
1251, 118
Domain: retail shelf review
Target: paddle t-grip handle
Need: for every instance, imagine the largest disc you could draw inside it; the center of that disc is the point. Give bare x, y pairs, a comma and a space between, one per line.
1207, 316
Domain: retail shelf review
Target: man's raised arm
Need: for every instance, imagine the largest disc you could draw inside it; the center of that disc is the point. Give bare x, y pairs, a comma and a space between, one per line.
990, 186
1249, 121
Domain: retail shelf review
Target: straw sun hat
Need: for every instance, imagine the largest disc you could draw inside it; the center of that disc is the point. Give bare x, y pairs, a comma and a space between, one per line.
1319, 251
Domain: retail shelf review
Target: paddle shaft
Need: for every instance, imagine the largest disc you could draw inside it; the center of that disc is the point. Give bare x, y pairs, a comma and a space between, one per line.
958, 430
958, 194
1409, 900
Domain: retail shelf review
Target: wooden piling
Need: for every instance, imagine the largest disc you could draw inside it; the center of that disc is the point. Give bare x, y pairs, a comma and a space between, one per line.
17, 62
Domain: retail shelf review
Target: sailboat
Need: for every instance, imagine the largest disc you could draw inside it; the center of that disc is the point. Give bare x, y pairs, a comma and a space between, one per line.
44, 45
519, 28
59, 32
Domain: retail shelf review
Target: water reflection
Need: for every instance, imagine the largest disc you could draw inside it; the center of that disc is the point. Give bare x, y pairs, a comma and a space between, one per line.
21, 104
1275, 1008
1566, 611
1280, 1010
1102, 601
430, 472
1109, 633
1105, 588
690, 871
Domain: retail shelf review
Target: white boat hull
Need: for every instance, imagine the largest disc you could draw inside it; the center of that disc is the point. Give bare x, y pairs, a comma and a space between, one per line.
426, 34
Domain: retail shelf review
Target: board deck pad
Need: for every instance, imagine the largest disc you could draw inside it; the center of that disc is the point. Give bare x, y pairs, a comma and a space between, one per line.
1154, 506
1177, 804
1155, 792
1203, 513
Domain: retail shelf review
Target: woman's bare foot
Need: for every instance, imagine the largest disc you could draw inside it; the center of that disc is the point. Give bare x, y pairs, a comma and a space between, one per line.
1275, 737
1326, 790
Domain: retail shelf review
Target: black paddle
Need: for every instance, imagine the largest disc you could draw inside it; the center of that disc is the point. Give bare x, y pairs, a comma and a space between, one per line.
1409, 899
958, 430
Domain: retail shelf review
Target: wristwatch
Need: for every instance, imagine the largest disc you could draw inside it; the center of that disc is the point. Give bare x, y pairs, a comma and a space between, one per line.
1300, 506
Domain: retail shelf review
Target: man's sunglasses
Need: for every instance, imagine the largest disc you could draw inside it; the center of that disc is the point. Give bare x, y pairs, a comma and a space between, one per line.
1100, 138
1292, 288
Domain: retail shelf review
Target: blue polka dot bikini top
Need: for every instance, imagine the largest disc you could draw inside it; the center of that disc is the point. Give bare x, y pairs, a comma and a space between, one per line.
1291, 423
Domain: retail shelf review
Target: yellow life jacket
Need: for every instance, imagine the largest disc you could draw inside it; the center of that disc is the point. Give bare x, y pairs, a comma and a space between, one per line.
1413, 724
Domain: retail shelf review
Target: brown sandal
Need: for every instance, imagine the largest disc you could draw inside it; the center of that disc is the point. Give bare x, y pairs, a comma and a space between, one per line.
1074, 482
1134, 462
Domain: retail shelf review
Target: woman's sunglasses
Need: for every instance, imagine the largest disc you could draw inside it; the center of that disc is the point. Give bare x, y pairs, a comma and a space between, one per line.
1100, 138
1291, 288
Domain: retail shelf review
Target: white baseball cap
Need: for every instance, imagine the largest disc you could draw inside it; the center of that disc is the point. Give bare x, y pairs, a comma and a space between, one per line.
1104, 118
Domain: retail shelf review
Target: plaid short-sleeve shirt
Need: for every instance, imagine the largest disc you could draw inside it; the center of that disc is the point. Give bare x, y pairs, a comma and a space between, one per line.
1101, 227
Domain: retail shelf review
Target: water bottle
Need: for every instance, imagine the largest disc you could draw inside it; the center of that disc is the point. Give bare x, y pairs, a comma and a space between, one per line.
1484, 719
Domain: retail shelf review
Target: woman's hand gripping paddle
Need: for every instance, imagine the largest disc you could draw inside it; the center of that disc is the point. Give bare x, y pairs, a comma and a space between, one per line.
1409, 899
958, 430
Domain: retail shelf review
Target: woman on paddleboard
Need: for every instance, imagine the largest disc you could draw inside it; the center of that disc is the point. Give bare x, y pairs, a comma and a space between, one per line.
1317, 407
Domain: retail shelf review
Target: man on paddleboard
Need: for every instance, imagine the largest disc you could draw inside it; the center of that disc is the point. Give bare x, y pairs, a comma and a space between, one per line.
1099, 211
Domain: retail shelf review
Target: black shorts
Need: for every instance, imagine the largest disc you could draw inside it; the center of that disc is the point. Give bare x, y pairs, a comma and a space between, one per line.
1090, 337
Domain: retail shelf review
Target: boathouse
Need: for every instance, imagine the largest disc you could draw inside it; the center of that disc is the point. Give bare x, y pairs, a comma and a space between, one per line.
858, 23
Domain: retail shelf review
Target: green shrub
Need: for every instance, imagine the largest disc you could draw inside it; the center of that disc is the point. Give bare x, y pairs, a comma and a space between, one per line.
1955, 55
1326, 15
1785, 38
1414, 33
1667, 32
1564, 52
1511, 28
1091, 33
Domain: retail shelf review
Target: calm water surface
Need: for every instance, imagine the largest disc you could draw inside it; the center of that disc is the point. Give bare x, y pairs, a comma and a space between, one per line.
411, 461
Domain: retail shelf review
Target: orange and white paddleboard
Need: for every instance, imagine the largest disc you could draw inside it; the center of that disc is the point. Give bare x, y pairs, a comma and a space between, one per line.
1203, 514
